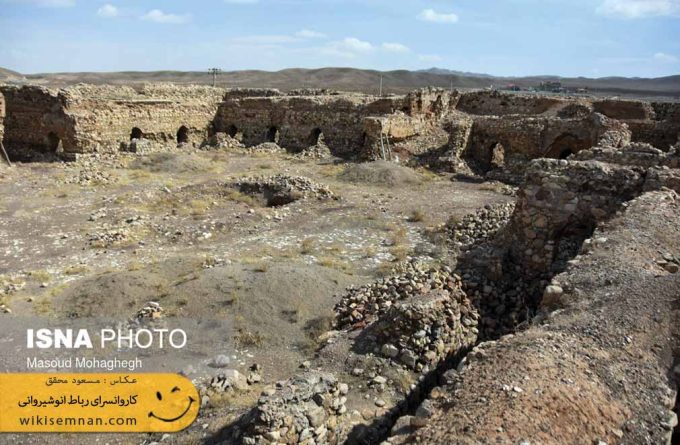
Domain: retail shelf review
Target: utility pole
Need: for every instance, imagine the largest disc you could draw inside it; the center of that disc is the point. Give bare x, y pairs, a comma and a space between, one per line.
214, 72
381, 85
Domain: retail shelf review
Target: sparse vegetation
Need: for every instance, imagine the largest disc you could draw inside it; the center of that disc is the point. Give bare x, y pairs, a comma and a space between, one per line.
76, 269
247, 339
40, 276
417, 215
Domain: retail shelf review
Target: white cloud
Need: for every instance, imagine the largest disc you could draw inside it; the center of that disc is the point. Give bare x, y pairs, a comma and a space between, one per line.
107, 11
353, 44
632, 9
396, 48
430, 15
309, 34
158, 16
348, 48
666, 58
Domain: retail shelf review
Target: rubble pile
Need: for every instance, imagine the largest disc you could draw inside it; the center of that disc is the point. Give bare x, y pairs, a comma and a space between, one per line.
283, 189
142, 146
221, 141
480, 226
319, 151
91, 175
266, 147
108, 238
363, 305
424, 329
151, 310
306, 409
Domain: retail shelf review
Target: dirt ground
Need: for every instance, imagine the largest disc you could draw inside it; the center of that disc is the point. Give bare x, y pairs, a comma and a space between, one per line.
102, 237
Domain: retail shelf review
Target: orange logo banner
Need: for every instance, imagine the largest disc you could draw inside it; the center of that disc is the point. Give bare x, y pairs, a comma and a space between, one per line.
96, 403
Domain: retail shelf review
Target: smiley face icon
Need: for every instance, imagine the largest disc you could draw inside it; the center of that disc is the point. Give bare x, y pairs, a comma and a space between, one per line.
174, 405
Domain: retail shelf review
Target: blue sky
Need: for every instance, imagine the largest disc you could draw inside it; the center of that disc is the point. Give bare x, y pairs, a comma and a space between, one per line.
592, 38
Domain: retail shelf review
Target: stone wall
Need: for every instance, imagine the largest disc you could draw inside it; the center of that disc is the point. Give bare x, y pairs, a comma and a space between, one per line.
496, 131
495, 103
624, 109
528, 138
297, 122
86, 118
562, 201
106, 118
36, 121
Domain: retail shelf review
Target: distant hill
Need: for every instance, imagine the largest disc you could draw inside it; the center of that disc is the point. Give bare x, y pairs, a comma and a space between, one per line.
9, 75
351, 79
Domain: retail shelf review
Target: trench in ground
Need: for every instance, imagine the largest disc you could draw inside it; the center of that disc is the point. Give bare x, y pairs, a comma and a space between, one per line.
570, 242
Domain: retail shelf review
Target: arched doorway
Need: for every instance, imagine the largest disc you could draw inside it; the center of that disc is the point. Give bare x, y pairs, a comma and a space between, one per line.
564, 154
273, 135
315, 137
566, 145
136, 133
53, 142
183, 135
232, 131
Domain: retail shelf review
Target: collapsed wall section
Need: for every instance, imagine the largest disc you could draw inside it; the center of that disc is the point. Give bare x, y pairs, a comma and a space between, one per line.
36, 122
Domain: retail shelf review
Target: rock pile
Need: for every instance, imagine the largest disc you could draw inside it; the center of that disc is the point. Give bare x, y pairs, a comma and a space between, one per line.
306, 409
319, 151
107, 239
424, 329
365, 304
266, 147
480, 226
283, 189
151, 310
91, 176
221, 141
142, 146
230, 379
670, 262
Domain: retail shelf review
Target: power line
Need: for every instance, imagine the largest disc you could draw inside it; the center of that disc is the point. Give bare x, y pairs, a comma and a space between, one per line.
214, 72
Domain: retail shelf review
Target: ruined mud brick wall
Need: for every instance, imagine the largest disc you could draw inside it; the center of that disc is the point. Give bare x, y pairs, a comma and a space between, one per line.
297, 122
495, 103
105, 117
435, 103
662, 129
624, 109
535, 137
36, 120
87, 118
418, 127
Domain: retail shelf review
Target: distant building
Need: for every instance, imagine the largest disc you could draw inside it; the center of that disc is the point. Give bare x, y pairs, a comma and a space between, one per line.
551, 87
